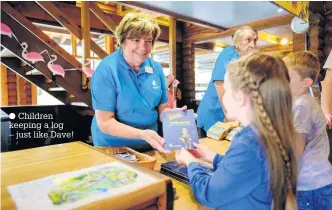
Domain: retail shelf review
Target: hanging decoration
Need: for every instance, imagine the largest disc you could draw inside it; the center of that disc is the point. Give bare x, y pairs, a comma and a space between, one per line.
55, 68
87, 71
34, 57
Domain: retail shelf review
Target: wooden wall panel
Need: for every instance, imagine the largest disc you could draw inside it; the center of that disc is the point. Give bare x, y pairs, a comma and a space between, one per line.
188, 67
298, 42
4, 88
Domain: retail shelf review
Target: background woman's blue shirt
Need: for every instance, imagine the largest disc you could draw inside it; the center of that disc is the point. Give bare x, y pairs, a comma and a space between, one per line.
134, 97
210, 111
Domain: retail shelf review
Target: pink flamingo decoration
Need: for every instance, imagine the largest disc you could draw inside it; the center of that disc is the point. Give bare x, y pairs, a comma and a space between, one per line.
5, 30
88, 71
55, 68
33, 57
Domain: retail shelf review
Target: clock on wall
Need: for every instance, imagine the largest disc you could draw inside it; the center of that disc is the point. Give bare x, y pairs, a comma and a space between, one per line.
299, 26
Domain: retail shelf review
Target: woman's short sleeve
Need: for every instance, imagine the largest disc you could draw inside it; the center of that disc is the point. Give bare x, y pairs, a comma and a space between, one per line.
103, 90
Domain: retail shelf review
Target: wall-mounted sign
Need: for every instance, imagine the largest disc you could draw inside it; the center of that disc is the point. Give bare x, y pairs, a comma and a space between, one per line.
298, 8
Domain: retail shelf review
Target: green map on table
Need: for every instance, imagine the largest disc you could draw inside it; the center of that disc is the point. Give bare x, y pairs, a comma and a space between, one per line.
93, 182
73, 189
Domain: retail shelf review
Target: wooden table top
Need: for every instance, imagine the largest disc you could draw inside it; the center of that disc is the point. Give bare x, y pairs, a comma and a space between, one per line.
45, 161
31, 164
186, 198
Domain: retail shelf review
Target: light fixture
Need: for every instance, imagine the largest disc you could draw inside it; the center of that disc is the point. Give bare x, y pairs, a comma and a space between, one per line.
217, 49
284, 41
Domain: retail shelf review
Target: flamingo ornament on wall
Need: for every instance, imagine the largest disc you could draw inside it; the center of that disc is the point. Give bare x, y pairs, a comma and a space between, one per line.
33, 57
5, 30
87, 71
55, 68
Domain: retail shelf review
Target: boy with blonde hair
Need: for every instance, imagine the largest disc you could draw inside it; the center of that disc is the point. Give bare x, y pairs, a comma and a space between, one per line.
314, 189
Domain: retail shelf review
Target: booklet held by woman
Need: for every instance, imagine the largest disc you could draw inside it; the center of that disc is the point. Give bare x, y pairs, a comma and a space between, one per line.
179, 128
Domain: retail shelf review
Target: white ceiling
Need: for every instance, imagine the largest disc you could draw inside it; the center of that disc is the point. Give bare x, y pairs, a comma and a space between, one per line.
225, 14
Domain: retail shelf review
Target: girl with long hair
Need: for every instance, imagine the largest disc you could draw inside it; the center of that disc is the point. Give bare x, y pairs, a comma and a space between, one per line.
259, 169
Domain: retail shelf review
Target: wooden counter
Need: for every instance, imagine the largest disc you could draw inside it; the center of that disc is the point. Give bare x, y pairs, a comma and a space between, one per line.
31, 164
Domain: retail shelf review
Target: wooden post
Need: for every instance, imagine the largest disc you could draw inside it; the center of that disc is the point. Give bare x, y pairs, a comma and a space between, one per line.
85, 23
298, 42
179, 74
109, 44
4, 87
316, 37
172, 51
108, 22
18, 92
11, 87
73, 45
172, 45
188, 66
66, 22
33, 94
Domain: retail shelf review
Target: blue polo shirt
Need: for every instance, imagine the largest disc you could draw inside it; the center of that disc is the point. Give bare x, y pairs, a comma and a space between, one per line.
210, 111
134, 97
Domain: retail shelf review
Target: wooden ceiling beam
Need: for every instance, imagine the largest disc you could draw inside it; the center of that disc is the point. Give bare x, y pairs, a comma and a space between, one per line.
202, 52
205, 46
36, 14
71, 82
38, 33
276, 48
109, 23
61, 17
59, 30
118, 9
66, 22
258, 25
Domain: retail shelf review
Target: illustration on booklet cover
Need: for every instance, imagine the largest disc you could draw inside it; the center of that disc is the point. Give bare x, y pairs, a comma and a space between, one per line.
179, 128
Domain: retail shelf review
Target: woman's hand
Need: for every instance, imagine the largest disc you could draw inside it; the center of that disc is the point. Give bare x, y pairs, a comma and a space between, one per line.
165, 108
183, 156
180, 108
151, 137
204, 153
170, 109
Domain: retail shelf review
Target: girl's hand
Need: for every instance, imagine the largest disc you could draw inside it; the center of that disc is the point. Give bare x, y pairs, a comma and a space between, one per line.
184, 157
204, 153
